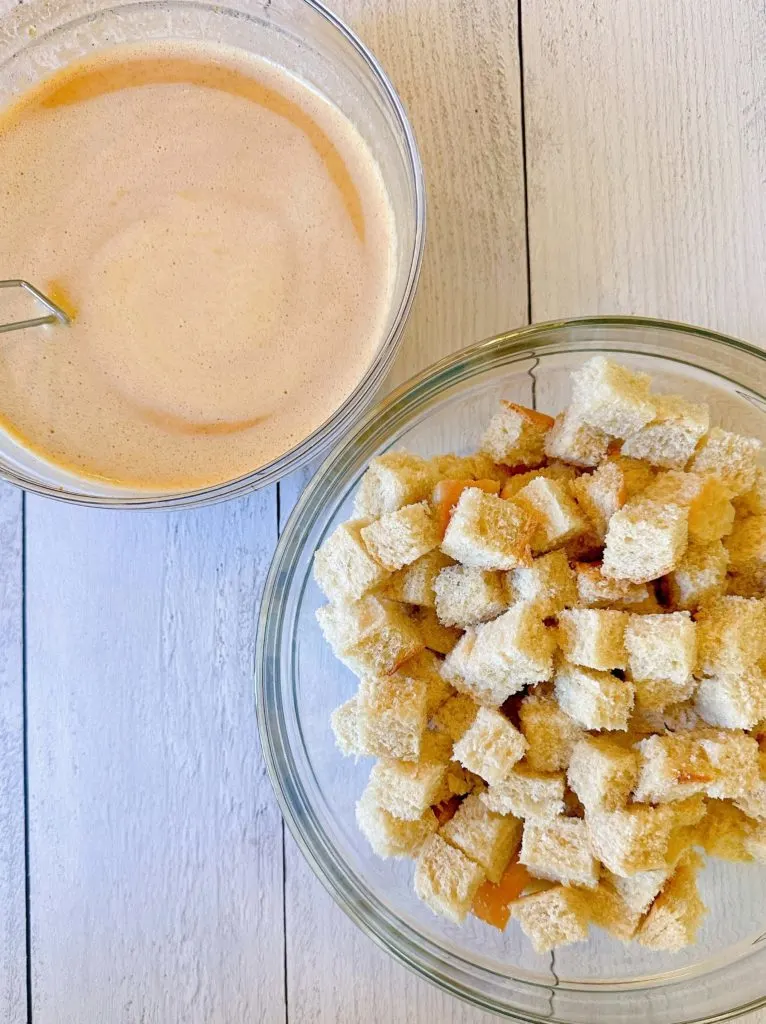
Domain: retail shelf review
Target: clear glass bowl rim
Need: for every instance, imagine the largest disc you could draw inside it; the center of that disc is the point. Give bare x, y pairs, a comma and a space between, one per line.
427, 959
354, 405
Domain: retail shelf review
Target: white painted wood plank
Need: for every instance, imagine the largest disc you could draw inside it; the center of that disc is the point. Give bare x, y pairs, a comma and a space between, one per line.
13, 961
155, 843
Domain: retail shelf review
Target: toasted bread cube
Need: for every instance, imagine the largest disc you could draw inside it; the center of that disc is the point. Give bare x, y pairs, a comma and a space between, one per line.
673, 767
414, 584
458, 781
555, 917
669, 440
711, 512
446, 880
639, 890
490, 746
609, 910
488, 532
343, 567
466, 595
558, 518
553, 471
746, 547
611, 397
604, 492
392, 481
731, 636
645, 540
345, 726
594, 590
699, 576
466, 467
675, 916
724, 831
634, 838
516, 435
392, 716
753, 800
594, 637
406, 789
602, 773
597, 700
550, 733
455, 716
730, 457
735, 758
435, 636
527, 794
662, 651
370, 636
548, 582
389, 836
399, 538
487, 838
572, 440
559, 851
732, 702
427, 667
753, 502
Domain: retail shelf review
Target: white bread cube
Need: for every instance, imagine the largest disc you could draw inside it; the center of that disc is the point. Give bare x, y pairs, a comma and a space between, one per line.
406, 789
455, 716
735, 760
594, 637
345, 726
527, 794
488, 532
572, 440
466, 467
427, 667
559, 851
633, 838
516, 436
553, 471
391, 481
609, 911
446, 880
491, 746
753, 501
414, 583
645, 540
555, 917
487, 838
611, 397
639, 890
558, 518
669, 440
466, 595
663, 648
548, 582
708, 501
597, 700
733, 701
594, 590
392, 716
724, 831
731, 636
699, 576
675, 916
673, 767
399, 538
370, 636
730, 457
343, 567
602, 773
604, 492
550, 733
389, 836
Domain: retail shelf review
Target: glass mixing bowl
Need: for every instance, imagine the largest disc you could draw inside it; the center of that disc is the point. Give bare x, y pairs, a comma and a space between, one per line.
311, 43
299, 683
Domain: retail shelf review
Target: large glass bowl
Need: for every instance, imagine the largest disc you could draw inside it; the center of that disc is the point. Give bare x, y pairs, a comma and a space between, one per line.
307, 40
299, 683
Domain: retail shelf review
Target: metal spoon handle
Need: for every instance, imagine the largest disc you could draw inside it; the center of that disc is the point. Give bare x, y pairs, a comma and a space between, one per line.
55, 313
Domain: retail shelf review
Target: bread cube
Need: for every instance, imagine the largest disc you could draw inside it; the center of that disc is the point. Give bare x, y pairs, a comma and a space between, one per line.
735, 759
669, 440
487, 838
370, 636
732, 702
548, 582
746, 547
414, 583
550, 733
724, 832
730, 457
343, 567
673, 767
559, 851
345, 726
594, 637
399, 538
731, 636
639, 890
699, 576
680, 717
528, 794
594, 590
558, 518
604, 492
555, 917
612, 398
572, 440
488, 532
446, 880
753, 800
597, 700
634, 838
755, 844
609, 911
602, 773
391, 481
427, 667
406, 789
436, 637
516, 435
711, 512
392, 716
466, 595
477, 466
553, 471
753, 501
389, 836
675, 916
490, 746
455, 716
645, 540
662, 655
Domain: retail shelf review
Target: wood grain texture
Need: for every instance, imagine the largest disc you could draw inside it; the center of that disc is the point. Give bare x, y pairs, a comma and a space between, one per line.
13, 960
155, 855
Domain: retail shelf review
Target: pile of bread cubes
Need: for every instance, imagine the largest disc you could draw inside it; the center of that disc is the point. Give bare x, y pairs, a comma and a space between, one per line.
561, 646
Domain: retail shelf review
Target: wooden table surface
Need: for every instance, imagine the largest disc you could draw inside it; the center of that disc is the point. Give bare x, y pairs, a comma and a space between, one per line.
582, 156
